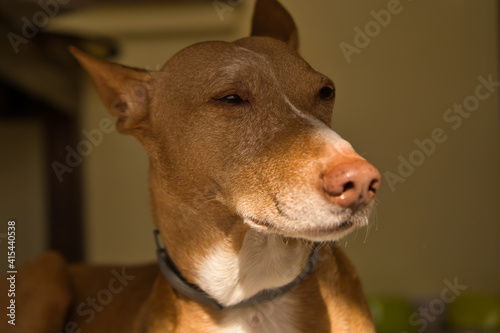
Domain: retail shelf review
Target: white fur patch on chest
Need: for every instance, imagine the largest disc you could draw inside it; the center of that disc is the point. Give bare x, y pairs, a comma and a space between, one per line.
276, 316
265, 261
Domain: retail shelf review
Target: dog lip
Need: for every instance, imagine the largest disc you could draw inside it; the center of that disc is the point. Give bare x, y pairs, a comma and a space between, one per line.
342, 227
260, 222
338, 228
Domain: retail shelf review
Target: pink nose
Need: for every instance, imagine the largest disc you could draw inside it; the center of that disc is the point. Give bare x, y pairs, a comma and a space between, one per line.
352, 183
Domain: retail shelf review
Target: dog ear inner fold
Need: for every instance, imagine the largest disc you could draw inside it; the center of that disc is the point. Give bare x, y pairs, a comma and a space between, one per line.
122, 89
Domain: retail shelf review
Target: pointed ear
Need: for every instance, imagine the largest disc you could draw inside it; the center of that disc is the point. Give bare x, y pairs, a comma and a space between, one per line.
271, 19
122, 89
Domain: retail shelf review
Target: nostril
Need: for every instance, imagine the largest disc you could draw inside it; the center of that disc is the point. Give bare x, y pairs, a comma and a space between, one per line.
374, 185
351, 184
347, 186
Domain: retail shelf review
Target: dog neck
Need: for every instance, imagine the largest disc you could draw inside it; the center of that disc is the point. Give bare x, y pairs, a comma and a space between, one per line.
264, 262
215, 251
177, 281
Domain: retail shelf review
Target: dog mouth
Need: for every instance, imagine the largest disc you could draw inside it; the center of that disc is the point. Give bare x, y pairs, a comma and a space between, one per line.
333, 231
342, 227
296, 221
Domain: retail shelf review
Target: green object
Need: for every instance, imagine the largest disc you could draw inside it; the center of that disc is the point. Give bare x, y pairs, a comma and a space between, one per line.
481, 312
391, 314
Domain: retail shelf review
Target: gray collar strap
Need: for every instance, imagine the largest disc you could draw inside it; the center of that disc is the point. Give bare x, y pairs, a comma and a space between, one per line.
193, 292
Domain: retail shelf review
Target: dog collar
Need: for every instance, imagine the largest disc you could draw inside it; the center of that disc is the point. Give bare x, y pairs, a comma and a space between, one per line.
191, 291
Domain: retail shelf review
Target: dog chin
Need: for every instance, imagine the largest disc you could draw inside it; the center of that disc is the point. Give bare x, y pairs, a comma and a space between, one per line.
329, 233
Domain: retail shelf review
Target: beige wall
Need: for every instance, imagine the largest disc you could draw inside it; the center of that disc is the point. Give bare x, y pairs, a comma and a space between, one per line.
442, 222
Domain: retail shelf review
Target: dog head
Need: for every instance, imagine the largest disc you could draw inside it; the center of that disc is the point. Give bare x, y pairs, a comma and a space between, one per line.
247, 123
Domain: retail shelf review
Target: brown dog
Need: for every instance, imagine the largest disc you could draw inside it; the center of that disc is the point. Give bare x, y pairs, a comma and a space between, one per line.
250, 189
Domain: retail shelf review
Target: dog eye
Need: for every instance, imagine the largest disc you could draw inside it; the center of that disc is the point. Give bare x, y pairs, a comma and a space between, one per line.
231, 99
327, 93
